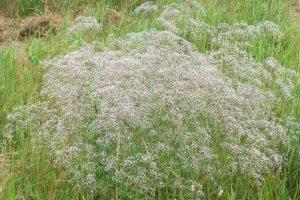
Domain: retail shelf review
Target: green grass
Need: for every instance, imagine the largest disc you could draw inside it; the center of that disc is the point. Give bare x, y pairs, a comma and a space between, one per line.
32, 175
25, 8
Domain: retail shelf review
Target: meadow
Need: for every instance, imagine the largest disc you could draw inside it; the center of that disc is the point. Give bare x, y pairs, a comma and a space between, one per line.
135, 99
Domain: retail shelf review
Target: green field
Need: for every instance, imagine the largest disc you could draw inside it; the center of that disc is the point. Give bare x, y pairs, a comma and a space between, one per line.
28, 171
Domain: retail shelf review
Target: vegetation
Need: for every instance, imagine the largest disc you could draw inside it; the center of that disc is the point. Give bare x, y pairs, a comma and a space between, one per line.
28, 171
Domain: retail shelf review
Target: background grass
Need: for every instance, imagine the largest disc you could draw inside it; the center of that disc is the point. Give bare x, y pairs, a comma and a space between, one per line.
31, 175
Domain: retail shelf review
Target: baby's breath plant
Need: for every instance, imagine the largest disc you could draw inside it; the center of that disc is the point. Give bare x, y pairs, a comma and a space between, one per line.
145, 8
151, 112
84, 24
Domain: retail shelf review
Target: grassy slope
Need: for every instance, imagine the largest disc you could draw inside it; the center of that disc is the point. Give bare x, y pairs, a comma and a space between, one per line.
32, 176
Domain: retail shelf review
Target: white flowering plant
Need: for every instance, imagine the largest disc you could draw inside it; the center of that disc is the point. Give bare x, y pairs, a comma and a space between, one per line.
150, 112
145, 8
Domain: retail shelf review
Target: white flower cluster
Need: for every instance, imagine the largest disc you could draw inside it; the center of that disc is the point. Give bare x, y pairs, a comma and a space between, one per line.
151, 110
183, 19
145, 8
235, 62
230, 42
84, 24
242, 34
185, 12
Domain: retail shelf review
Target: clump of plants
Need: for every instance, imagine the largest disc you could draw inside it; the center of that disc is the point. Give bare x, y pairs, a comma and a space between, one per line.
149, 112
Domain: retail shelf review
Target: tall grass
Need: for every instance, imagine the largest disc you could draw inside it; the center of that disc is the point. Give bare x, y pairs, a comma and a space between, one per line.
32, 176
23, 8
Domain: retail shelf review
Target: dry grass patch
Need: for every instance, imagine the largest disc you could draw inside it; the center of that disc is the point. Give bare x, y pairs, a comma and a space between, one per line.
113, 17
6, 27
39, 26
4, 172
36, 26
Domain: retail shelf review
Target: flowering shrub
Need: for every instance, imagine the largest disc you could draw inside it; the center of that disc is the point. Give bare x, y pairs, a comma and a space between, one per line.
85, 24
150, 110
186, 13
145, 8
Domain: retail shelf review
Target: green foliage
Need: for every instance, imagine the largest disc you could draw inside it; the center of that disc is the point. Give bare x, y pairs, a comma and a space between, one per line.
23, 8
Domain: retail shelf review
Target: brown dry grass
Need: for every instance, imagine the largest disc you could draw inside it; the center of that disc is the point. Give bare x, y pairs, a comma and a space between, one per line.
113, 17
6, 27
36, 26
4, 172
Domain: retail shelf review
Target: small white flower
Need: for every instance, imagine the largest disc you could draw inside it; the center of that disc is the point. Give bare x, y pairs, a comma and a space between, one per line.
221, 193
